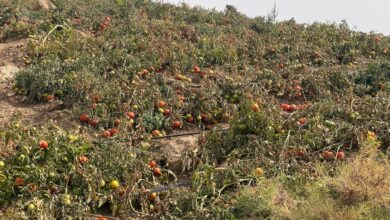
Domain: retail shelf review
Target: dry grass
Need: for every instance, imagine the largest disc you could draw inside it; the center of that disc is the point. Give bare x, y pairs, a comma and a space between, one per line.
365, 179
359, 190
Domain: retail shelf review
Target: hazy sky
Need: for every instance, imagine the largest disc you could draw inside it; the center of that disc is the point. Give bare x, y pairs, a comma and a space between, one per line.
363, 15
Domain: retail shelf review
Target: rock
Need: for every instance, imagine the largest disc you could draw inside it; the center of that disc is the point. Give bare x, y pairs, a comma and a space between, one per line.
43, 5
7, 72
175, 146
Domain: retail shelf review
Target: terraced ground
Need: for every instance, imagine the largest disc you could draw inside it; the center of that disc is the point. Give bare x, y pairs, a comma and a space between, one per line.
145, 110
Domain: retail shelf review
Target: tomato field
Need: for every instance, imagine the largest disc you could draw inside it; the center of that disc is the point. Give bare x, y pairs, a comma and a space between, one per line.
137, 109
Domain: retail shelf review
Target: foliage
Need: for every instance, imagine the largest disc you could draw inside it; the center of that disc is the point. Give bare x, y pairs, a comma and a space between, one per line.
272, 100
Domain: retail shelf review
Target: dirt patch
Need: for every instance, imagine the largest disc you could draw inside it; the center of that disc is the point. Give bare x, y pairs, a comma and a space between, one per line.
11, 53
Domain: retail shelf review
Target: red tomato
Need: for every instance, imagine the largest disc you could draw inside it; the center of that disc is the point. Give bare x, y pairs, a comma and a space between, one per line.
176, 124
328, 155
83, 159
340, 155
93, 122
130, 114
285, 106
156, 171
43, 144
152, 164
95, 98
106, 134
49, 98
293, 108
156, 133
114, 131
302, 121
84, 117
19, 181
196, 69
167, 112
190, 119
161, 104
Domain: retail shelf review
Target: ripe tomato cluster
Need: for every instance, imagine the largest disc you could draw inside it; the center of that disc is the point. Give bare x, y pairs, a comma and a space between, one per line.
155, 169
104, 24
329, 155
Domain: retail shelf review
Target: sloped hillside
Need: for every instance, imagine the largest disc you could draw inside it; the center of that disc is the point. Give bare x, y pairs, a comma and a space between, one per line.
134, 109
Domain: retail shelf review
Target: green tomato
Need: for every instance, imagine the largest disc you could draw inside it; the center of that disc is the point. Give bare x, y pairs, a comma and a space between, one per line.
67, 202
22, 157
329, 124
242, 126
2, 164
102, 183
112, 107
26, 149
145, 146
31, 207
72, 138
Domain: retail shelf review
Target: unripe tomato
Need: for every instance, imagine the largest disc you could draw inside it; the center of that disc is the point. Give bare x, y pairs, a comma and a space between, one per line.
152, 196
102, 183
259, 171
114, 184
31, 207
255, 107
